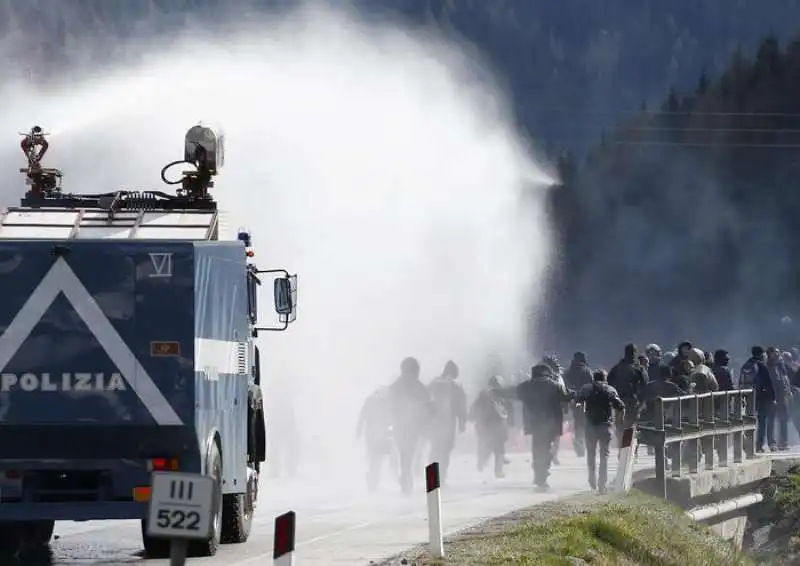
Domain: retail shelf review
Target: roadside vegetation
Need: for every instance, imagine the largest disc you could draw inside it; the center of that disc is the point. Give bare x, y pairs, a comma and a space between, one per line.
772, 534
598, 530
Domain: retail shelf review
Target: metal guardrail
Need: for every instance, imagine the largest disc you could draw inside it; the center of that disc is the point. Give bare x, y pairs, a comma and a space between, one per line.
688, 430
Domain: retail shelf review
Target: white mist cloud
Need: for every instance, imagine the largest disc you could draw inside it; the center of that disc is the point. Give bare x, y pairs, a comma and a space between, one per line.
372, 162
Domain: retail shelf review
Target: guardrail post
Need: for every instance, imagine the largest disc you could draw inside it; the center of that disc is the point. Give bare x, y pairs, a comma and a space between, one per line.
750, 418
692, 451
660, 448
722, 407
676, 427
738, 421
707, 422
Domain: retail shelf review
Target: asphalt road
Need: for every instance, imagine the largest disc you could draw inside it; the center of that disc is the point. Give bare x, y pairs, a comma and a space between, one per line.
339, 522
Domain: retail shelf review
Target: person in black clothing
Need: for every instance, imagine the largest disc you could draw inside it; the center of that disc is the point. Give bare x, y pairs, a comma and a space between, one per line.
657, 368
681, 376
722, 370
375, 427
493, 413
684, 352
543, 397
411, 406
449, 416
781, 385
599, 400
755, 375
575, 378
628, 377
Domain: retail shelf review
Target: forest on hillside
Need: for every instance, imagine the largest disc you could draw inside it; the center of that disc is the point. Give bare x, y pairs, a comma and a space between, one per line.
683, 221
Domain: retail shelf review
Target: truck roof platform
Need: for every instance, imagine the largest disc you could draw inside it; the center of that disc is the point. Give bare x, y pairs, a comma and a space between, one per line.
66, 223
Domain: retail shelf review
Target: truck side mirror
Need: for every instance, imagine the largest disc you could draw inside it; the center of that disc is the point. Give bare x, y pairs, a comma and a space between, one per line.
285, 297
284, 300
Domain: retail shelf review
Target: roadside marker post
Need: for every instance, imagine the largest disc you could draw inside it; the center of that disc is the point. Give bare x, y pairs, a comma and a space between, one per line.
627, 449
181, 509
283, 544
433, 489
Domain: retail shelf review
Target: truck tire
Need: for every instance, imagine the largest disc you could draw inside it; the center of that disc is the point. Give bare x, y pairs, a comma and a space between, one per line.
25, 537
41, 532
209, 547
237, 515
154, 547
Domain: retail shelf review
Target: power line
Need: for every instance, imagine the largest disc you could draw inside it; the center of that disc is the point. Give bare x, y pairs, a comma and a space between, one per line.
715, 130
712, 130
653, 113
705, 144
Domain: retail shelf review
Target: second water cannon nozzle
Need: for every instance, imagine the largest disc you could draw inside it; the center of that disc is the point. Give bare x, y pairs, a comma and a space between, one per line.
34, 144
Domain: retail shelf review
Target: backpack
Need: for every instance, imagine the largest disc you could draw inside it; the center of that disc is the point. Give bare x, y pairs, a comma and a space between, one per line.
748, 375
596, 405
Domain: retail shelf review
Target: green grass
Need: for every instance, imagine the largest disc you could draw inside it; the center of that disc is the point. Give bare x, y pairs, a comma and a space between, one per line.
636, 530
787, 492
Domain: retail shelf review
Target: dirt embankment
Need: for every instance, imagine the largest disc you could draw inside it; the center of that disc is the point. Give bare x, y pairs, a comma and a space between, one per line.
773, 528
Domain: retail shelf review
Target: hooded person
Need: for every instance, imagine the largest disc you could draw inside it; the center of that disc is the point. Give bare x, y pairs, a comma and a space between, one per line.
628, 378
685, 351
375, 428
681, 375
657, 368
449, 416
543, 397
578, 374
697, 356
782, 385
755, 375
493, 414
599, 401
411, 407
722, 370
552, 361
703, 379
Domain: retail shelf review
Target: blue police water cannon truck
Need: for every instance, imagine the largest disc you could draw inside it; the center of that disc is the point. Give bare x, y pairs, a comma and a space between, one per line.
128, 324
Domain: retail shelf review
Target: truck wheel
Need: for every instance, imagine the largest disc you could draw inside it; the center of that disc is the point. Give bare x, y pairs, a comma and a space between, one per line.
41, 532
209, 547
154, 547
237, 513
11, 539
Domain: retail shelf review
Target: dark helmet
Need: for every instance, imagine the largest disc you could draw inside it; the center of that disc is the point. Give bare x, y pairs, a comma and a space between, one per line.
542, 370
631, 351
450, 369
409, 366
